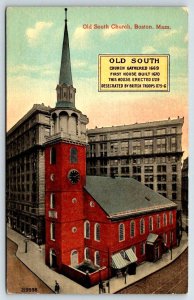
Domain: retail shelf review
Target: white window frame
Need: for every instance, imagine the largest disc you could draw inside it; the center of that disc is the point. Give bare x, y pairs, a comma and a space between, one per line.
86, 253
151, 223
170, 218
132, 223
158, 222
52, 231
121, 232
52, 200
97, 232
86, 223
97, 253
142, 245
142, 226
165, 219
134, 249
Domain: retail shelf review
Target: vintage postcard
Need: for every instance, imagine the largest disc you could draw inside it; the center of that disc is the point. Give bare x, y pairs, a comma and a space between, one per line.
97, 150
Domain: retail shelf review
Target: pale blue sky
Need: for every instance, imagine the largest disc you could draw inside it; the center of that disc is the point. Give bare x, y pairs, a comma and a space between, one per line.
34, 43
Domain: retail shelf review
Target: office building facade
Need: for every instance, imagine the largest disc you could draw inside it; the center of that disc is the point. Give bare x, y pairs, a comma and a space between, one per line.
149, 152
25, 173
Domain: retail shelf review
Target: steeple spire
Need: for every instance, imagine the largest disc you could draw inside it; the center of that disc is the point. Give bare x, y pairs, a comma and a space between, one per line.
65, 70
65, 90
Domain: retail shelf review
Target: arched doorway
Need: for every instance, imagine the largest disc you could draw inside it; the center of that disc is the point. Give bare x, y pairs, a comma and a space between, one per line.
74, 258
53, 259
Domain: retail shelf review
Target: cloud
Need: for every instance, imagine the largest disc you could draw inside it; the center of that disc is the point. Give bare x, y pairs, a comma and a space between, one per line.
27, 70
163, 35
177, 52
76, 63
33, 33
110, 32
80, 38
148, 50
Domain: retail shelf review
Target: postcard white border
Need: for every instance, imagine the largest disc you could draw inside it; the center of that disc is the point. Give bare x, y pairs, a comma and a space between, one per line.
190, 5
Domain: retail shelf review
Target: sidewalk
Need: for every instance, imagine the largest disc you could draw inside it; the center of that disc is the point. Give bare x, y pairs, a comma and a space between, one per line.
34, 260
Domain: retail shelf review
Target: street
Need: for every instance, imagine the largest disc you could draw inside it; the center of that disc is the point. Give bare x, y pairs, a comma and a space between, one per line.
20, 279
172, 279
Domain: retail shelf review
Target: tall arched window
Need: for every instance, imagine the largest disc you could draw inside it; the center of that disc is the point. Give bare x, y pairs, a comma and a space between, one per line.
142, 226
132, 229
97, 232
73, 155
97, 258
164, 219
150, 223
74, 257
134, 249
142, 248
86, 253
170, 218
52, 200
158, 221
52, 156
121, 232
87, 229
52, 231
165, 238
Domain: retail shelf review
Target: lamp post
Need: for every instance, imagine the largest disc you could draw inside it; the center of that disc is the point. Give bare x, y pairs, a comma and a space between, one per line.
26, 244
125, 276
100, 281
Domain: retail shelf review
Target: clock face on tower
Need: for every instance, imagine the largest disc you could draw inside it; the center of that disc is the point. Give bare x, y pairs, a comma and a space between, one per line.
73, 176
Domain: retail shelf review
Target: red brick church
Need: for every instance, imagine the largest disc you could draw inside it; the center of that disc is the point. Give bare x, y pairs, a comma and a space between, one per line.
95, 226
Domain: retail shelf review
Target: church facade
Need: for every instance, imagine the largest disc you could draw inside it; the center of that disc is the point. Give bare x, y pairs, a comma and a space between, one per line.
104, 223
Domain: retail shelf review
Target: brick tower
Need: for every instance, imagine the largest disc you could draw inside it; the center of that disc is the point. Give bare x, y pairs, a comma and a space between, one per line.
65, 172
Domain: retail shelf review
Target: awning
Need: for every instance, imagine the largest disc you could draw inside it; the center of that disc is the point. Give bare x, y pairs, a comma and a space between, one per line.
130, 255
118, 262
124, 259
152, 237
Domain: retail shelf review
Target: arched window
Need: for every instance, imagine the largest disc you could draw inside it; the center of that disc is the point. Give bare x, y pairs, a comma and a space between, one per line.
52, 156
87, 229
86, 254
74, 258
150, 223
121, 232
164, 219
97, 232
165, 238
52, 231
158, 221
52, 200
170, 218
53, 258
73, 155
142, 248
97, 258
142, 226
132, 229
134, 249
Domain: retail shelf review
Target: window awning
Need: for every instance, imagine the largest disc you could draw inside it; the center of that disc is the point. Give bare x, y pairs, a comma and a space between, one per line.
130, 255
123, 260
118, 262
152, 237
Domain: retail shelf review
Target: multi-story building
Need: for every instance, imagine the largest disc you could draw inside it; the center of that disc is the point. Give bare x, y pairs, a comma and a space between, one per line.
25, 172
149, 152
